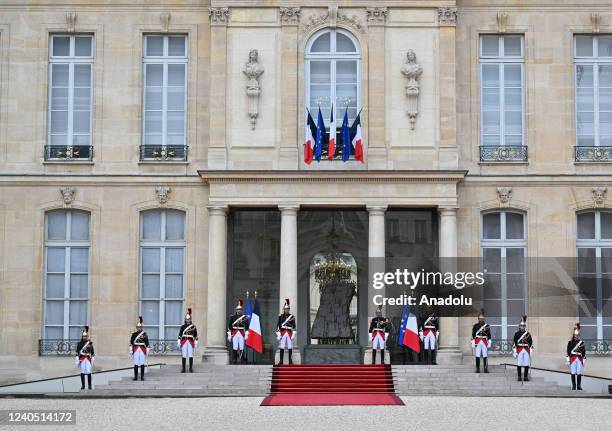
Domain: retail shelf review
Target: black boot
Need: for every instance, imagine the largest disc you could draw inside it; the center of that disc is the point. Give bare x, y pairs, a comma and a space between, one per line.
82, 381
382, 356
191, 365
142, 372
433, 357
578, 382
235, 356
573, 382
486, 365
135, 372
518, 370
290, 358
89, 381
526, 374
282, 357
477, 364
373, 356
183, 361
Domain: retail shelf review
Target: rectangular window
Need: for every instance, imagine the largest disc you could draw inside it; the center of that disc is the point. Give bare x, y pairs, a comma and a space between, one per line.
66, 291
501, 96
164, 98
70, 97
593, 97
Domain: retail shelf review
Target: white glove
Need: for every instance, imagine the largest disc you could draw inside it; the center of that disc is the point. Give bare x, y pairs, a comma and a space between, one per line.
489, 343
278, 336
229, 336
246, 335
178, 343
567, 361
514, 353
421, 335
583, 362
293, 335
473, 343
531, 349
76, 361
92, 359
437, 335
148, 350
196, 343
130, 351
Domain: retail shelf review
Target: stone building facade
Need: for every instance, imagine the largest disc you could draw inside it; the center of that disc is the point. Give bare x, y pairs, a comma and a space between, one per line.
151, 159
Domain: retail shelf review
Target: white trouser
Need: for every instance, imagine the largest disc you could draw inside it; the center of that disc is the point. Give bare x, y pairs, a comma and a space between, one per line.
379, 340
576, 367
285, 341
187, 350
481, 350
238, 341
85, 366
429, 341
522, 359
139, 357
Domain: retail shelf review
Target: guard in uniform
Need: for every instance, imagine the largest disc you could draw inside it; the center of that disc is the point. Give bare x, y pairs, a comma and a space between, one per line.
238, 332
576, 357
285, 332
429, 335
481, 341
139, 349
379, 330
188, 341
85, 357
522, 348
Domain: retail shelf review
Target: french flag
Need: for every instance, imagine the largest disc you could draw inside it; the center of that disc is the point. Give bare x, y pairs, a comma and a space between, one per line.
331, 148
255, 340
357, 138
309, 143
409, 332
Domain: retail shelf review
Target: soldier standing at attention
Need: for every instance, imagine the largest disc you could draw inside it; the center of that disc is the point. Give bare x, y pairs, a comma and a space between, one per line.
139, 349
285, 332
238, 332
379, 328
523, 348
429, 336
576, 357
481, 342
85, 357
188, 341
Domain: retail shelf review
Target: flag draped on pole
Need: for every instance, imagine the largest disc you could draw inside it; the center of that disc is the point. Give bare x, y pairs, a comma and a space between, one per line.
255, 340
331, 147
320, 136
409, 332
357, 138
309, 142
345, 133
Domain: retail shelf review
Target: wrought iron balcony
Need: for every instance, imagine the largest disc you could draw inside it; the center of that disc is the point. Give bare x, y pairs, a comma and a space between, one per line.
163, 152
163, 348
503, 153
68, 152
57, 347
593, 153
501, 347
598, 347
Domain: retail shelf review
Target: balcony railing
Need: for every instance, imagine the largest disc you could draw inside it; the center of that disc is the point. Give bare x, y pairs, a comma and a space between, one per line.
593, 154
501, 347
163, 152
503, 153
68, 152
56, 347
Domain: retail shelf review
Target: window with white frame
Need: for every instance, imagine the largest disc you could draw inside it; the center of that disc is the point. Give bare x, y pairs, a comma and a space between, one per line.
162, 270
594, 270
504, 258
593, 86
165, 94
501, 90
66, 291
70, 96
333, 74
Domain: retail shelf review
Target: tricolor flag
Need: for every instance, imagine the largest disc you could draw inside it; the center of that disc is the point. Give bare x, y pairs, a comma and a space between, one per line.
320, 136
357, 138
331, 147
345, 133
409, 332
309, 143
255, 340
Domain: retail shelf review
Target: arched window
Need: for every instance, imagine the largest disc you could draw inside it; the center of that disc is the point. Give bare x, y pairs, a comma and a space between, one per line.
504, 256
66, 292
162, 270
333, 75
594, 251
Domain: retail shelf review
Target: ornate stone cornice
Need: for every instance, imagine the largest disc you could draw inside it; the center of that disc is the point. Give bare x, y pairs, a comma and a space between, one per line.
376, 15
218, 15
447, 16
289, 15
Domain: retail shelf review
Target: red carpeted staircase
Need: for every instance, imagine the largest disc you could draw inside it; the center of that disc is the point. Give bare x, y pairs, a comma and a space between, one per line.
332, 385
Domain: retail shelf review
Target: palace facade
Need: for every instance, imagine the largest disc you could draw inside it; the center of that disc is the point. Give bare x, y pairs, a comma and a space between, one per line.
152, 159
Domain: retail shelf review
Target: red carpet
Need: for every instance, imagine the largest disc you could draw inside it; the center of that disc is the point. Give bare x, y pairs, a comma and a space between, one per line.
328, 385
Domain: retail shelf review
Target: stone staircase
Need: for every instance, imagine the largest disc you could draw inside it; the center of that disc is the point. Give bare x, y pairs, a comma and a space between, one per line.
462, 380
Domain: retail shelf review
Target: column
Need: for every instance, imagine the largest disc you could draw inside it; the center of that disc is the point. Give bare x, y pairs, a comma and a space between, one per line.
288, 263
449, 352
376, 260
215, 350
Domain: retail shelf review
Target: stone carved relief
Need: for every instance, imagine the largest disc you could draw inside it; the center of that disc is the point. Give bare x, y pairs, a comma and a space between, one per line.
595, 21
71, 18
502, 19
412, 71
314, 20
503, 195
599, 196
164, 18
289, 15
351, 21
68, 195
332, 18
447, 16
218, 15
162, 194
253, 71
376, 15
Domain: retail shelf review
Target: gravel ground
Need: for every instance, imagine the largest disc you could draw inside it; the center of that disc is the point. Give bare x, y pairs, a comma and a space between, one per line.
449, 413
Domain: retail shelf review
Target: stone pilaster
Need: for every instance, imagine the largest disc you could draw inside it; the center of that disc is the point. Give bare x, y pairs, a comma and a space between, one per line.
377, 150
217, 150
376, 258
449, 158
288, 152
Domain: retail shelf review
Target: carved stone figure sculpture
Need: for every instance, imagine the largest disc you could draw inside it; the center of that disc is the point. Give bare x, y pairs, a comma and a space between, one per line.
412, 71
253, 71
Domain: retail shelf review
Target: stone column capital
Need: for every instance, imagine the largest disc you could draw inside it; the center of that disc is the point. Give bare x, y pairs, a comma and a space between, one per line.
289, 208
376, 16
219, 16
376, 209
217, 209
289, 16
447, 211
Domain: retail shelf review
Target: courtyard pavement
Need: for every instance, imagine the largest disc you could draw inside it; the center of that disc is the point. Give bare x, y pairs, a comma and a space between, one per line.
429, 413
